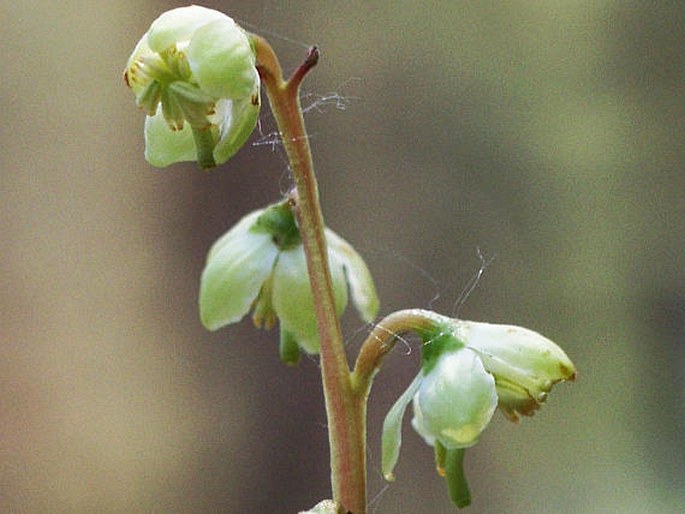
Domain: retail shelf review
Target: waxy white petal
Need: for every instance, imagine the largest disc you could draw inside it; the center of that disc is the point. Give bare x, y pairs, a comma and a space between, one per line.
164, 146
456, 400
233, 276
238, 120
222, 60
525, 364
179, 24
292, 296
237, 231
359, 278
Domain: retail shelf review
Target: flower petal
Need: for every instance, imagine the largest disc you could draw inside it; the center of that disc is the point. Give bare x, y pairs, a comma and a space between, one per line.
456, 400
237, 266
164, 146
391, 440
292, 296
359, 278
245, 224
526, 364
132, 74
222, 60
514, 400
179, 25
239, 118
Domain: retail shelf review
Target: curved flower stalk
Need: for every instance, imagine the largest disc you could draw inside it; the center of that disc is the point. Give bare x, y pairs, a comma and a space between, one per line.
469, 369
194, 75
260, 265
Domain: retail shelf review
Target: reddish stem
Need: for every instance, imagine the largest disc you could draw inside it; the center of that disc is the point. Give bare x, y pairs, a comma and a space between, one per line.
345, 409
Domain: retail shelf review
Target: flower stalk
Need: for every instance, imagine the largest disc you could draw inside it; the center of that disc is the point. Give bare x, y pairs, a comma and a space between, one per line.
345, 407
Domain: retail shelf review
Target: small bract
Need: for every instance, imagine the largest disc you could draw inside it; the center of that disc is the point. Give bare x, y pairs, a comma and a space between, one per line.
260, 265
194, 74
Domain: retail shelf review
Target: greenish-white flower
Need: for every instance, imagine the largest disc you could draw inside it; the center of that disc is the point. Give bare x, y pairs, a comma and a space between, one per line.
260, 265
194, 75
468, 370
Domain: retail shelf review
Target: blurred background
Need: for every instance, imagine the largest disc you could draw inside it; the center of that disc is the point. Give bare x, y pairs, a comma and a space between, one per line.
546, 135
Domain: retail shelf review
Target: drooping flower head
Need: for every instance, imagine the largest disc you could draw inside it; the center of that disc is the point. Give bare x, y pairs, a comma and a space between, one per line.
260, 265
468, 370
194, 74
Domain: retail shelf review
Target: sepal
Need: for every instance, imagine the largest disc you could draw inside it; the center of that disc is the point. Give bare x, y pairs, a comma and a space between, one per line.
391, 439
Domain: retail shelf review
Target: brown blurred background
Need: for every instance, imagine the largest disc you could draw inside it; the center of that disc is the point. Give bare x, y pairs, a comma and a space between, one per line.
549, 135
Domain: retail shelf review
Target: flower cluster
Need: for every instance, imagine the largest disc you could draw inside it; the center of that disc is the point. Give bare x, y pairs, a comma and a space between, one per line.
194, 75
468, 370
260, 265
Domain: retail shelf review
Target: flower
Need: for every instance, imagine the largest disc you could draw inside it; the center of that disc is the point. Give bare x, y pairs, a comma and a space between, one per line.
260, 264
469, 369
455, 400
194, 74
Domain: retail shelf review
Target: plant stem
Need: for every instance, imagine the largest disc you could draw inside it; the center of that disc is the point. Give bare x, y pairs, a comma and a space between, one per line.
345, 409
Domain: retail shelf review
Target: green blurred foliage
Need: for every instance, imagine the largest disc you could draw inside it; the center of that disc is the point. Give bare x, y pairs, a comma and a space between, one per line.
547, 134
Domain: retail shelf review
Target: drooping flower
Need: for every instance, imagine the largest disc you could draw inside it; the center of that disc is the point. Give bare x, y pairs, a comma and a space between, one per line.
260, 265
469, 369
194, 74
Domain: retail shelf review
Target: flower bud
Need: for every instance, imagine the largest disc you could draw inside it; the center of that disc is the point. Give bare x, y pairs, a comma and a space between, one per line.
194, 75
260, 265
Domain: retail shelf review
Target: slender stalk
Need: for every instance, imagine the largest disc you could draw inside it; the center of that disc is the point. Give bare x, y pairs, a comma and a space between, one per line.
382, 339
345, 409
